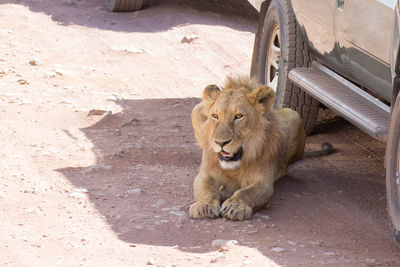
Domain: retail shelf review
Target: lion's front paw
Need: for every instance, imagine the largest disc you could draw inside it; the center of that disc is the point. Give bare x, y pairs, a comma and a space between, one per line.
233, 210
202, 210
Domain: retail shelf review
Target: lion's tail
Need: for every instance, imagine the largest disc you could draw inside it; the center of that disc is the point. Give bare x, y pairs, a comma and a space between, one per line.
326, 149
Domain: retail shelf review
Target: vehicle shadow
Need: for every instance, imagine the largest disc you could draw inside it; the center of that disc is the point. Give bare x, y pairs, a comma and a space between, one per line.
147, 159
160, 16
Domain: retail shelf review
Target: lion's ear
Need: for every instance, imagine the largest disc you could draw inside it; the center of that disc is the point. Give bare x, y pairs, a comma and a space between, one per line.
211, 92
262, 98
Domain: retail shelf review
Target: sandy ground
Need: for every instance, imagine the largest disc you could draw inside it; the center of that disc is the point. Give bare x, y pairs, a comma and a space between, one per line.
97, 154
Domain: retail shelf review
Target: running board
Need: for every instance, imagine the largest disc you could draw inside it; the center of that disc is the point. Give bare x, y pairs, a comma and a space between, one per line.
343, 97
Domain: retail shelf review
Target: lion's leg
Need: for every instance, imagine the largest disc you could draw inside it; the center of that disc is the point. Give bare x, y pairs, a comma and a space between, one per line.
206, 198
241, 205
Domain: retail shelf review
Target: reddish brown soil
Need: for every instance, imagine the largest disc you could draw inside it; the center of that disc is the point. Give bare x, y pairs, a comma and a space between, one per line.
113, 189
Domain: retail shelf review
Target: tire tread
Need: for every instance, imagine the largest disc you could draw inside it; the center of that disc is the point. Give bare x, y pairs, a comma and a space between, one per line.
299, 56
125, 5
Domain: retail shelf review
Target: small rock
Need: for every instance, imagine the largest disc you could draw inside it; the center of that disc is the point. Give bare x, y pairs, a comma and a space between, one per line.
22, 81
370, 262
134, 191
328, 253
63, 72
189, 38
96, 112
34, 62
277, 249
32, 211
112, 98
131, 50
76, 195
25, 102
221, 242
150, 262
81, 190
159, 203
50, 74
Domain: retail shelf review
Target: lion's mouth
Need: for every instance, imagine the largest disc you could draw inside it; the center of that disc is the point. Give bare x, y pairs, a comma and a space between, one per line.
225, 156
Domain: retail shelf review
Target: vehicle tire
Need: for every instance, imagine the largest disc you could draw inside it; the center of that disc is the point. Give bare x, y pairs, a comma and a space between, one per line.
124, 5
282, 49
392, 160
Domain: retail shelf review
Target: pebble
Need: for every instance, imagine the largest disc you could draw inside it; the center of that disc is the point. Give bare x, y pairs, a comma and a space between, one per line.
134, 191
81, 190
150, 262
50, 74
222, 242
63, 72
34, 62
328, 253
22, 81
159, 203
32, 211
189, 38
96, 112
277, 249
131, 50
370, 262
76, 195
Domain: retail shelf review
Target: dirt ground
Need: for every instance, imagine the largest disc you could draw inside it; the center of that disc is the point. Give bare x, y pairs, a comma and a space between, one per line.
97, 154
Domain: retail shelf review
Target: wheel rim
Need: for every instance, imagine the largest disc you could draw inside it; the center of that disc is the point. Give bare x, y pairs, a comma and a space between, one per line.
273, 55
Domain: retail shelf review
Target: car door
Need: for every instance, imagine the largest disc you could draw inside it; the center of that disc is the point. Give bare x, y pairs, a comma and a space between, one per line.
363, 32
316, 19
317, 22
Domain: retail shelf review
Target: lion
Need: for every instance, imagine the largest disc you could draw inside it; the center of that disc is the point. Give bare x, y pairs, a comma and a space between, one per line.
247, 145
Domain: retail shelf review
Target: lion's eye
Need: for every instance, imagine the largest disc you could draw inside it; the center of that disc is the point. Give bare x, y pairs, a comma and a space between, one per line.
238, 116
214, 116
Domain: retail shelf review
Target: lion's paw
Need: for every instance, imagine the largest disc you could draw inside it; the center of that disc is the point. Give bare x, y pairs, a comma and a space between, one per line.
235, 211
201, 210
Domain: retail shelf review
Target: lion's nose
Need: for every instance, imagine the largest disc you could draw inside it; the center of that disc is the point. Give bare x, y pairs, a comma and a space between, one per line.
222, 143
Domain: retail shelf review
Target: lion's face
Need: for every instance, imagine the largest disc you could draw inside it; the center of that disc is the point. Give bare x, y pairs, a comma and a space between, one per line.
236, 122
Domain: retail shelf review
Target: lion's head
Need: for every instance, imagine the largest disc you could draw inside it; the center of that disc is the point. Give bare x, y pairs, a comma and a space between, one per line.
236, 125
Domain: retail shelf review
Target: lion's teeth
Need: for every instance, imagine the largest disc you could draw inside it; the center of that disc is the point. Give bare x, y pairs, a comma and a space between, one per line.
227, 155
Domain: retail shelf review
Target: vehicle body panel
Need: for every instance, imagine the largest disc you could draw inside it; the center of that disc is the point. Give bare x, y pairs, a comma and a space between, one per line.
394, 45
363, 33
256, 4
317, 21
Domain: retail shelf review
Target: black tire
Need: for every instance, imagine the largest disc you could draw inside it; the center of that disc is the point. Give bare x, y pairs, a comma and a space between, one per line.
124, 5
392, 172
293, 53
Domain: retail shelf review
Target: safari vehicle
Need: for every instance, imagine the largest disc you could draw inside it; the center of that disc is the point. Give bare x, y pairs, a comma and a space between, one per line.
343, 54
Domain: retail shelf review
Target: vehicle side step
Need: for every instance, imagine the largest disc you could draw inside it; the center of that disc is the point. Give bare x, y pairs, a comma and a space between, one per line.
343, 97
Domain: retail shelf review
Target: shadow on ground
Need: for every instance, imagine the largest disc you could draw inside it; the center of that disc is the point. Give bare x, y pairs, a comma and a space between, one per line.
92, 13
147, 159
